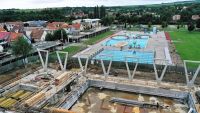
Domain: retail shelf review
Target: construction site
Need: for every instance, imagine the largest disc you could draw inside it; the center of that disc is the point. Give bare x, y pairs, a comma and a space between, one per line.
103, 83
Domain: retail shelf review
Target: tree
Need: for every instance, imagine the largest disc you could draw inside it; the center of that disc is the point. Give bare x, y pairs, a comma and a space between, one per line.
191, 27
108, 20
49, 37
178, 26
60, 35
149, 25
198, 23
102, 12
164, 24
21, 47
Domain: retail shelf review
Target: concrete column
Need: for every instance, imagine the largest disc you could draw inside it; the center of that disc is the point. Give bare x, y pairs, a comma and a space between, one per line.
83, 68
191, 82
44, 63
131, 76
62, 66
159, 79
106, 72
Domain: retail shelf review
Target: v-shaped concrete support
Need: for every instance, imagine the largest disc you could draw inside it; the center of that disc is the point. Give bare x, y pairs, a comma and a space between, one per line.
62, 66
83, 68
191, 82
44, 63
131, 76
159, 79
106, 72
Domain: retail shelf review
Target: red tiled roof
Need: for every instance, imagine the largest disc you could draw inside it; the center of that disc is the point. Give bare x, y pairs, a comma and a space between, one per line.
15, 36
56, 25
76, 26
65, 25
37, 33
3, 35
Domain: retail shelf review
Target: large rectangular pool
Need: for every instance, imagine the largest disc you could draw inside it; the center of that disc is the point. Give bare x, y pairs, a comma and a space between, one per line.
126, 55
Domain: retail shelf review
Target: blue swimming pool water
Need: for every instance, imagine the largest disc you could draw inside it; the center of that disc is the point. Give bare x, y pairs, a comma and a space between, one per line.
142, 42
144, 57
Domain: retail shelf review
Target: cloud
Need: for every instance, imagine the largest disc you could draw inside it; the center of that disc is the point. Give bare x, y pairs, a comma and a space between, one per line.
29, 4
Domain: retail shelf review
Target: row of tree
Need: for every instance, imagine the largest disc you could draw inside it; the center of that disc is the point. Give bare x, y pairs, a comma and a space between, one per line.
99, 12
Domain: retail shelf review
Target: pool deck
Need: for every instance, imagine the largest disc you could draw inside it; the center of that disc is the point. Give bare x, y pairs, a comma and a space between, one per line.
157, 42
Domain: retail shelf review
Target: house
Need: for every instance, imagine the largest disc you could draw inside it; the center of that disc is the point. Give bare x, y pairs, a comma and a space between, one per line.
56, 25
17, 29
4, 36
39, 23
74, 29
176, 17
87, 23
2, 29
51, 27
10, 25
38, 35
79, 15
195, 17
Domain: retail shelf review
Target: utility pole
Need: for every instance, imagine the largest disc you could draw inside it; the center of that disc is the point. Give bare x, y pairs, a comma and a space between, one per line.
62, 36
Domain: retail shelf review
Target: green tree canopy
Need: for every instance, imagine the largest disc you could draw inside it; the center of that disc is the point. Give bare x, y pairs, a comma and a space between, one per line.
60, 35
108, 20
21, 47
49, 37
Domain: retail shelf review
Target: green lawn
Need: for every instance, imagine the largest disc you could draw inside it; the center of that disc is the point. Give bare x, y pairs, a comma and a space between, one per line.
71, 51
94, 40
187, 44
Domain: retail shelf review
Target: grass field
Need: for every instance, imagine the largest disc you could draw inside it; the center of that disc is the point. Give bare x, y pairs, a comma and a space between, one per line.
187, 44
94, 40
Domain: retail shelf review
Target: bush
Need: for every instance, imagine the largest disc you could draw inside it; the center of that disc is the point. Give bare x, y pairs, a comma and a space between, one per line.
191, 27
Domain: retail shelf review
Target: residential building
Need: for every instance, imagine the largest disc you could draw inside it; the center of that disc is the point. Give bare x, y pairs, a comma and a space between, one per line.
39, 23
38, 35
176, 17
195, 17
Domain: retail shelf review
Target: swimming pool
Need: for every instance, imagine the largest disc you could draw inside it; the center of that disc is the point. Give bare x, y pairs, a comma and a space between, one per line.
131, 42
144, 57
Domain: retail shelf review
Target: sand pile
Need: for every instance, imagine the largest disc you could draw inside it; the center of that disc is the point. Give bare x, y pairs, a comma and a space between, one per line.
78, 108
102, 96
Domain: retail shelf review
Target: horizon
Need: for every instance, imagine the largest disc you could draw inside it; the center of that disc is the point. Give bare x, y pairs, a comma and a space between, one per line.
40, 4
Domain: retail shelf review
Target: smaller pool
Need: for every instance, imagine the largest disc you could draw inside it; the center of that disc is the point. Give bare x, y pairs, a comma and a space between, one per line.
144, 57
119, 38
132, 42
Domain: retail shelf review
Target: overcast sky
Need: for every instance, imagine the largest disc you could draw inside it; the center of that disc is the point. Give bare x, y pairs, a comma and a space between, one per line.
24, 4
